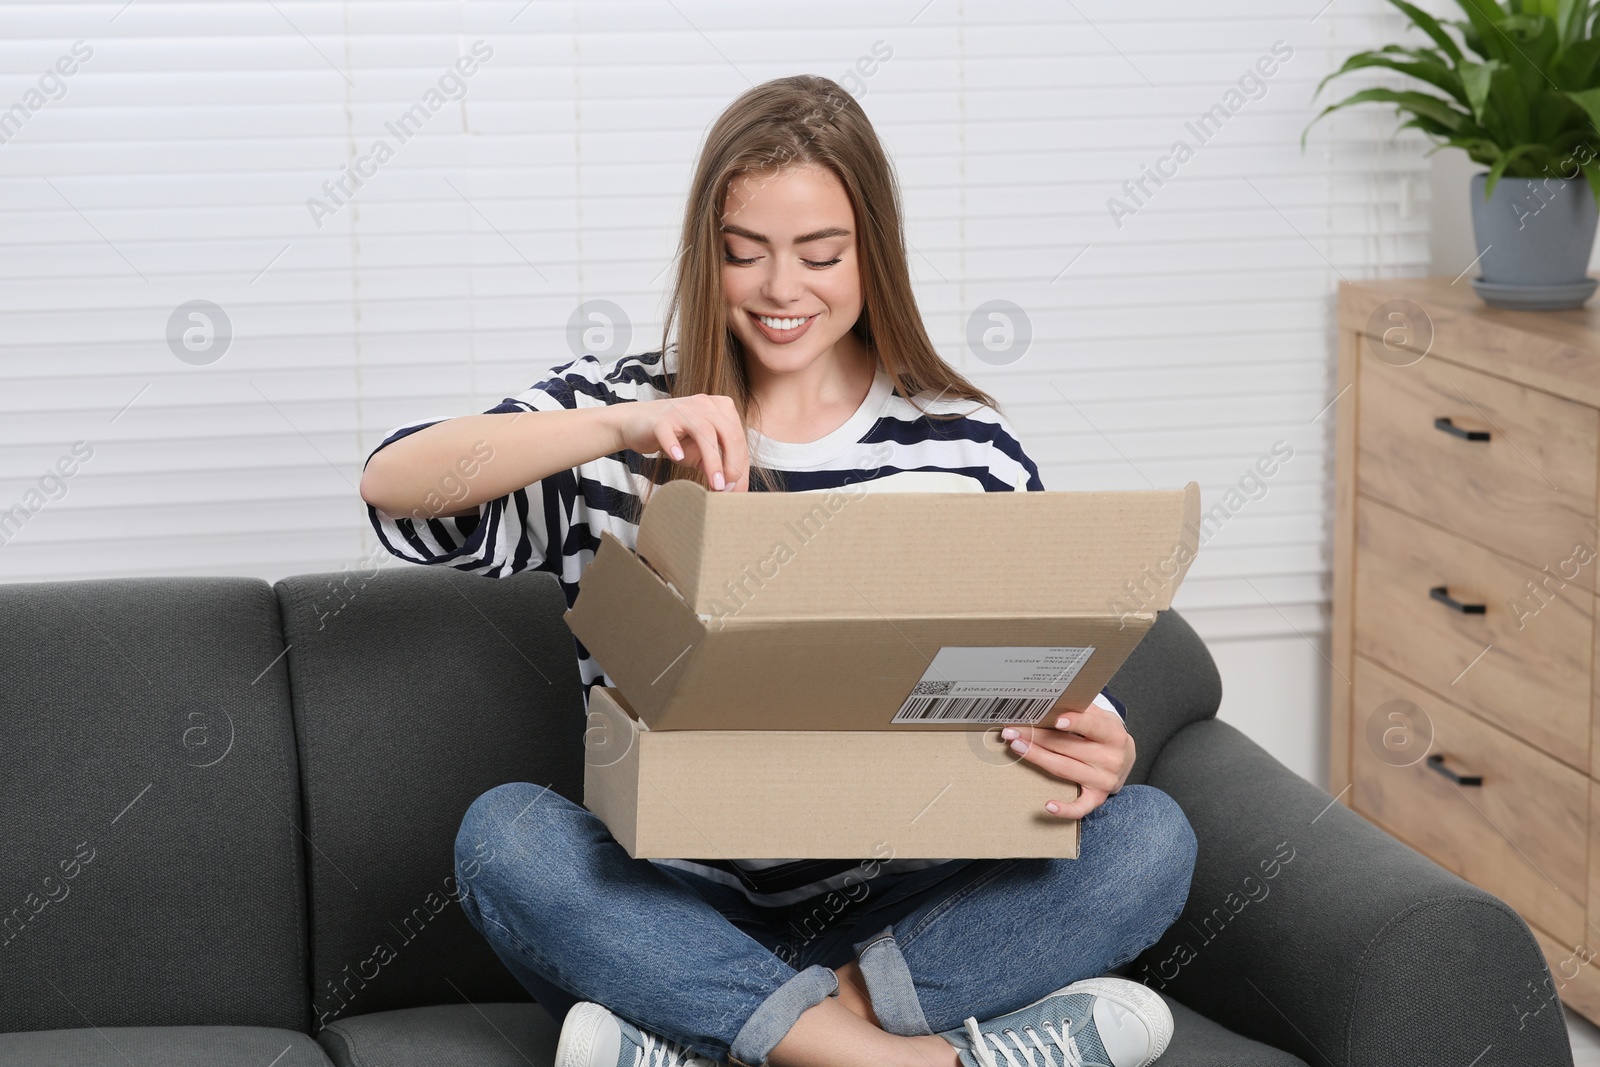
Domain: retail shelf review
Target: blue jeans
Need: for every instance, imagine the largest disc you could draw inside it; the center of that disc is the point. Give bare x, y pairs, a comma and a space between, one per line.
574, 917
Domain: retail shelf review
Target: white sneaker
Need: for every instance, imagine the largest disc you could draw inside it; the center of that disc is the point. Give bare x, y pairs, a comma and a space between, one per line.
591, 1036
1098, 1022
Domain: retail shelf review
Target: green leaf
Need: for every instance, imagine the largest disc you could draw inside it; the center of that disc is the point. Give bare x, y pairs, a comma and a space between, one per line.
1591, 171
1475, 81
1435, 74
1478, 145
1432, 107
1416, 103
1426, 125
1478, 149
1508, 158
1574, 68
1514, 81
1589, 100
1509, 165
1516, 23
1430, 26
1543, 46
1491, 41
1563, 143
1567, 19
1470, 38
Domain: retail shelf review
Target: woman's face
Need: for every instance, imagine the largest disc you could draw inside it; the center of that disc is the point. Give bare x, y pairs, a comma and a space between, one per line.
790, 276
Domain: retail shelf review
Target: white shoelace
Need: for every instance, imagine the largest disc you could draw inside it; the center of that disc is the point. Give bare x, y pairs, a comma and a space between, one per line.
660, 1052
1036, 1056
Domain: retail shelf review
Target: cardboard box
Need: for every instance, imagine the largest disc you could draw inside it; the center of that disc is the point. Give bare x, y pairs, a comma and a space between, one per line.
816, 794
822, 675
861, 610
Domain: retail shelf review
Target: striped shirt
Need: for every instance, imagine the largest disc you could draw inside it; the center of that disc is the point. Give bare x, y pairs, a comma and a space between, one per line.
555, 524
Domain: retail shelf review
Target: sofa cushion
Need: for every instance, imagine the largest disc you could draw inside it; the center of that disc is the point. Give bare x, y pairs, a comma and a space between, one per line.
448, 1035
522, 1035
415, 691
169, 1046
1169, 682
154, 871
1199, 1042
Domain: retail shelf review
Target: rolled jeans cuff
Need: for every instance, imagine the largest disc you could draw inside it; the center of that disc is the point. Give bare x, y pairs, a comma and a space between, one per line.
778, 1013
890, 987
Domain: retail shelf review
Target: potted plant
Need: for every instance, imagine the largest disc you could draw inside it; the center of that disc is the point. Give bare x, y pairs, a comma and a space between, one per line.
1520, 94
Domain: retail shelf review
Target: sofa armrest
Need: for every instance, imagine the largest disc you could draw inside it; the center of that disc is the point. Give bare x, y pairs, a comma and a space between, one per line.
1312, 930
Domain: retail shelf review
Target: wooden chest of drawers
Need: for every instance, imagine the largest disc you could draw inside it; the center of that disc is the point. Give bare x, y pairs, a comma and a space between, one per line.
1465, 703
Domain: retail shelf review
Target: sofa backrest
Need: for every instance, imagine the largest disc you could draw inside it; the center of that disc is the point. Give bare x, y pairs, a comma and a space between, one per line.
416, 689
1169, 682
153, 868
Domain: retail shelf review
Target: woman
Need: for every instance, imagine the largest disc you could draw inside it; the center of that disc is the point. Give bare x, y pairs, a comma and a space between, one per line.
800, 364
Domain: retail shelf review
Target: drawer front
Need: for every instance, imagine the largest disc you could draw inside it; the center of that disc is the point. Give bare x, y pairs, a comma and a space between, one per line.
1527, 491
1574, 980
1594, 728
1523, 664
1592, 934
1521, 834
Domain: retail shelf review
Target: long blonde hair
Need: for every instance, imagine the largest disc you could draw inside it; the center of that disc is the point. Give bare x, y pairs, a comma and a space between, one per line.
787, 122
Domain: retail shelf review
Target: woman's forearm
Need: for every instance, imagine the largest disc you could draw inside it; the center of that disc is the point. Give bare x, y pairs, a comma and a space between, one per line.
453, 466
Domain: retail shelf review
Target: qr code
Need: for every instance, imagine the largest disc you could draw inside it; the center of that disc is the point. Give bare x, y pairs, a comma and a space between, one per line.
928, 689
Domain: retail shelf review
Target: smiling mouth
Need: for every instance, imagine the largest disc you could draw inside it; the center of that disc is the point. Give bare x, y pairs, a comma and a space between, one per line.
781, 329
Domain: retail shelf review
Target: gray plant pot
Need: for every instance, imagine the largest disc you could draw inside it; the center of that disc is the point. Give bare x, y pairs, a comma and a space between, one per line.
1534, 238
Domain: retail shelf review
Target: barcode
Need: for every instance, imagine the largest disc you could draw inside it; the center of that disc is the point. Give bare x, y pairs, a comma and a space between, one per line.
974, 709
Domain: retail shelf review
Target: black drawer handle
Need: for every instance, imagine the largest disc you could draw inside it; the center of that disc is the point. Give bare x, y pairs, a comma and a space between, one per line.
1436, 763
1441, 593
1453, 430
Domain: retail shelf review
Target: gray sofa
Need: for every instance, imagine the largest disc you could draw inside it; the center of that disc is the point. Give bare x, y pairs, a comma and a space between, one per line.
229, 809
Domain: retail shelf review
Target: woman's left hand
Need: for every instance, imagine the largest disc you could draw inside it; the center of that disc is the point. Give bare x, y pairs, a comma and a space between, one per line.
1090, 747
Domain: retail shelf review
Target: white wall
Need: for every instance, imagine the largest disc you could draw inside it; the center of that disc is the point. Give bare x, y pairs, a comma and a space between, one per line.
1182, 342
1451, 248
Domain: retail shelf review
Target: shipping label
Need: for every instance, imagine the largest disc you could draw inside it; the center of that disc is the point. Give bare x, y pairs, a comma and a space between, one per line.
998, 684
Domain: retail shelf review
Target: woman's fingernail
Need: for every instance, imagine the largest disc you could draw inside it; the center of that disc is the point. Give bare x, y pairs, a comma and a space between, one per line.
1008, 733
677, 454
716, 480
1063, 722
1019, 746
1052, 807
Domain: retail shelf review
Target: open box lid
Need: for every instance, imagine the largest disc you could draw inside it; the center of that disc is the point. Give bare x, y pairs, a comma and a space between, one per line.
853, 552
869, 610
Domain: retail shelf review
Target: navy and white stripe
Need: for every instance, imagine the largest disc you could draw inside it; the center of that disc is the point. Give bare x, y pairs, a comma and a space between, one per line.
555, 525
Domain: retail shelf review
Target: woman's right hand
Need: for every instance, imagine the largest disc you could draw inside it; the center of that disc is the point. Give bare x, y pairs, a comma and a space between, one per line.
703, 430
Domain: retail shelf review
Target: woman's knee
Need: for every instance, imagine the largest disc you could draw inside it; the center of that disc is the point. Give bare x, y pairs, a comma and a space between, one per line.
504, 828
1156, 837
